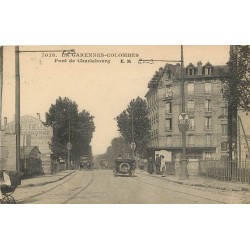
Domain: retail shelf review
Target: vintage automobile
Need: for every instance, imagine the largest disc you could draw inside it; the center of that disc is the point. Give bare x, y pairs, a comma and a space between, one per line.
104, 164
124, 166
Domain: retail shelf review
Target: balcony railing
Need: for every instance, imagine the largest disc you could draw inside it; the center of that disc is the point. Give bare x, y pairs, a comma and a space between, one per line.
168, 129
191, 128
197, 141
208, 110
208, 127
168, 114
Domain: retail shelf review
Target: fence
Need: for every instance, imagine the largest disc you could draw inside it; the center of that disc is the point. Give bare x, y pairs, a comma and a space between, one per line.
226, 170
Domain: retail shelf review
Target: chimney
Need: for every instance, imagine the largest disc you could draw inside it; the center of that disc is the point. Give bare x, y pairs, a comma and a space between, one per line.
38, 116
199, 68
4, 123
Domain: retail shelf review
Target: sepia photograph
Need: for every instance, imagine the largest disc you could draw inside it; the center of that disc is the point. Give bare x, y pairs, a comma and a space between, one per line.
125, 124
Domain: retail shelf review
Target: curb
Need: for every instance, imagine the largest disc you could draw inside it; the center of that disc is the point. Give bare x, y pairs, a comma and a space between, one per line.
236, 189
45, 183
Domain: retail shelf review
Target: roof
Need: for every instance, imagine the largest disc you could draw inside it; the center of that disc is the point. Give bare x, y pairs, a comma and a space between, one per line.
30, 151
217, 71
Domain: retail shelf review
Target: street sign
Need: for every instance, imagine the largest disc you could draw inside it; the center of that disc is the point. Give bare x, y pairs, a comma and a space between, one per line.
183, 122
133, 146
69, 146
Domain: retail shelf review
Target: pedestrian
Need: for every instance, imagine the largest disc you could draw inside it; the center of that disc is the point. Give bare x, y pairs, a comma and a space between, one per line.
163, 167
157, 164
150, 165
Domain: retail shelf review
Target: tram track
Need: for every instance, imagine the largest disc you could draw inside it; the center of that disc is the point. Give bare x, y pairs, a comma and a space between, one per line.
81, 190
26, 199
30, 198
176, 191
222, 192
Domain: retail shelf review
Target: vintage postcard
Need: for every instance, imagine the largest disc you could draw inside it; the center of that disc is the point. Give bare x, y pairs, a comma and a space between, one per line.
124, 124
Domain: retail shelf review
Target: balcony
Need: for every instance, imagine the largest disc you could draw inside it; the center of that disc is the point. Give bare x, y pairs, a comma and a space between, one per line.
208, 127
197, 141
168, 96
168, 129
208, 111
168, 114
190, 111
191, 128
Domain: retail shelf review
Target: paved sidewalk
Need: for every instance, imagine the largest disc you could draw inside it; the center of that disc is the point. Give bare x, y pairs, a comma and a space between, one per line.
41, 180
201, 181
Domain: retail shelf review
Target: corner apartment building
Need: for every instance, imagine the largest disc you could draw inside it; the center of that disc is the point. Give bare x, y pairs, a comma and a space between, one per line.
207, 135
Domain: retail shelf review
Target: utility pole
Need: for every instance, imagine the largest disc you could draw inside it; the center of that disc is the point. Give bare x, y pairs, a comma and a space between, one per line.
69, 144
133, 150
184, 173
1, 83
232, 110
17, 96
17, 108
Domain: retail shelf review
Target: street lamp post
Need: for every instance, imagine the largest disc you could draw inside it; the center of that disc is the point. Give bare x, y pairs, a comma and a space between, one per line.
184, 173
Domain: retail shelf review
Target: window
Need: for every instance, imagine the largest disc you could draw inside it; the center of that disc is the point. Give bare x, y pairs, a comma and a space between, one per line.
224, 146
169, 107
208, 87
208, 122
208, 71
190, 88
190, 139
168, 140
208, 105
168, 124
169, 92
190, 106
221, 94
224, 129
224, 111
207, 155
208, 140
191, 123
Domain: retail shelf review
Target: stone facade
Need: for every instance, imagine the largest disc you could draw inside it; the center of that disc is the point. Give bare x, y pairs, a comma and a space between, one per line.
33, 133
207, 134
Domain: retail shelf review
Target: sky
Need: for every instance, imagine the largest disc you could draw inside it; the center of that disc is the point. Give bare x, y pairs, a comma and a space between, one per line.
103, 89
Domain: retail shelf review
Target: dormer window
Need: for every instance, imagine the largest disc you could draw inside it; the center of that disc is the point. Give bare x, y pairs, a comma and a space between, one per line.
208, 69
190, 70
169, 92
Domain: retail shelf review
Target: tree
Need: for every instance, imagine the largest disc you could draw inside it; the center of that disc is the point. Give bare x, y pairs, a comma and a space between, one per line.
134, 125
86, 130
118, 147
70, 125
236, 91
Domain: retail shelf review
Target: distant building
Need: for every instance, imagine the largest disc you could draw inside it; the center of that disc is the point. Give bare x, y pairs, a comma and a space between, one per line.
30, 160
207, 135
33, 134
